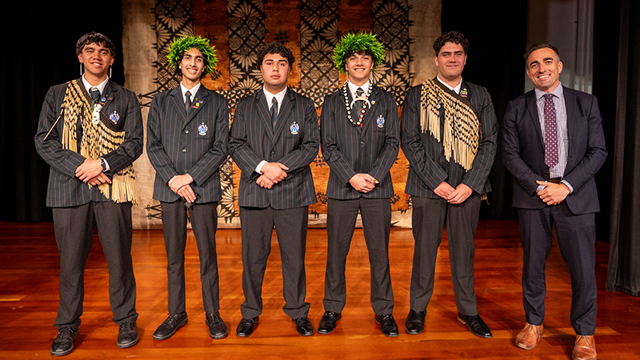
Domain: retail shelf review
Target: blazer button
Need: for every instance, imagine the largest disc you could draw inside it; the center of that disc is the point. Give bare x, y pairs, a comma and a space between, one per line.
362, 143
184, 150
186, 131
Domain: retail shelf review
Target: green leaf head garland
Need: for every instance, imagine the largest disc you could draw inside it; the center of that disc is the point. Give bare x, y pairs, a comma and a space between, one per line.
179, 46
353, 43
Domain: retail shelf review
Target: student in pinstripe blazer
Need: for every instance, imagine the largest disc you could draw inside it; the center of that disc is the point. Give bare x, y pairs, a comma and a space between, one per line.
187, 138
360, 149
445, 185
90, 132
274, 138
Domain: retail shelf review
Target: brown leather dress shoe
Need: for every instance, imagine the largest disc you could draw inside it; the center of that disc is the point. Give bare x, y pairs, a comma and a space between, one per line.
529, 336
584, 348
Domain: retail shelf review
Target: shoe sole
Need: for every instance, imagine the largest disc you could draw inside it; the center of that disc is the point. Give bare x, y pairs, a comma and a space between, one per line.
61, 353
388, 335
469, 327
413, 332
183, 323
525, 347
221, 336
129, 344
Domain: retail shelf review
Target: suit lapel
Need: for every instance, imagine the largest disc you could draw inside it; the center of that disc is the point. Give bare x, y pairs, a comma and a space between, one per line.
283, 114
177, 103
199, 101
263, 114
532, 108
571, 106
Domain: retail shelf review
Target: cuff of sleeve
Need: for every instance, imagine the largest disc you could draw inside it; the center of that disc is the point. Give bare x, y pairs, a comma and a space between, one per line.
259, 167
568, 185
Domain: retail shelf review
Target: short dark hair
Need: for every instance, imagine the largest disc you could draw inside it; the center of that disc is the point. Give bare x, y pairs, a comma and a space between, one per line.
539, 46
276, 48
97, 38
455, 37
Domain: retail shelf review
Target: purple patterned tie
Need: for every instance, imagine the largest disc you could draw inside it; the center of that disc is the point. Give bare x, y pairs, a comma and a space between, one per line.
550, 132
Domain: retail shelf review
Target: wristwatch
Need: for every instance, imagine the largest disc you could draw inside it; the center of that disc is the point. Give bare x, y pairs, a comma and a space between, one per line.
103, 162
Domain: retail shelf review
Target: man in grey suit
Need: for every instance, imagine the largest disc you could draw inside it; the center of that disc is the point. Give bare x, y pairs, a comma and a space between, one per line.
359, 128
90, 132
449, 133
187, 138
274, 138
553, 146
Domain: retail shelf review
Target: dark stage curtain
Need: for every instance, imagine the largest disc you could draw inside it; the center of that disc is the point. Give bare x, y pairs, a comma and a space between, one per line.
497, 32
624, 244
38, 52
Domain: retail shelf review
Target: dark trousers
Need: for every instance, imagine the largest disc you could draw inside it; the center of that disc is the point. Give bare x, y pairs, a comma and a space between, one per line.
376, 223
576, 240
291, 229
74, 236
461, 221
204, 223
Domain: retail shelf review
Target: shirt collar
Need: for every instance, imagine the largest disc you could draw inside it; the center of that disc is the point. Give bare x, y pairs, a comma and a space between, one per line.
353, 88
193, 90
558, 92
456, 89
279, 96
100, 86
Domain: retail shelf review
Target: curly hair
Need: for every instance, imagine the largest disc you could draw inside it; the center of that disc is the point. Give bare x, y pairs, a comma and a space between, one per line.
96, 38
455, 37
276, 48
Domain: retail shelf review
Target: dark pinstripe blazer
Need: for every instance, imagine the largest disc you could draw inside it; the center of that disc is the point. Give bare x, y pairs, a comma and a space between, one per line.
64, 188
349, 149
195, 142
428, 166
523, 150
254, 139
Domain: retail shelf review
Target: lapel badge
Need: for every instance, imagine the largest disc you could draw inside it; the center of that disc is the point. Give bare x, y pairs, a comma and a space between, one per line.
202, 129
373, 102
463, 92
294, 128
114, 117
380, 122
103, 99
197, 103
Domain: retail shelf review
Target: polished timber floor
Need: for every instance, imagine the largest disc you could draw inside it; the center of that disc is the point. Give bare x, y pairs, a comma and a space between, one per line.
29, 299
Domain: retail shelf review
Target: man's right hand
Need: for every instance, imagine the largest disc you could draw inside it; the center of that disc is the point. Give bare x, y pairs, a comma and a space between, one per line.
444, 190
363, 182
274, 171
264, 182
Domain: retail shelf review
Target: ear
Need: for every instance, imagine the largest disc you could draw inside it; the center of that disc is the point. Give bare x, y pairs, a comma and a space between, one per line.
560, 67
80, 58
435, 58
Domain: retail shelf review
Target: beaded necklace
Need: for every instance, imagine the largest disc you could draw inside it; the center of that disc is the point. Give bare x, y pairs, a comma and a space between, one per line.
345, 89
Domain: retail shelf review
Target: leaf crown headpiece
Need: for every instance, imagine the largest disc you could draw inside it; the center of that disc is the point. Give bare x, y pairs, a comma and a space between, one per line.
353, 43
179, 46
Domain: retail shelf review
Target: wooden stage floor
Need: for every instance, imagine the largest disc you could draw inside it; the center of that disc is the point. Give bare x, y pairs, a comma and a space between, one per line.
29, 264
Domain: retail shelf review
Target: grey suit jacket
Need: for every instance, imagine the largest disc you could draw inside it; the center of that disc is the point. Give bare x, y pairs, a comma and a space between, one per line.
350, 149
193, 142
524, 150
293, 142
64, 188
428, 166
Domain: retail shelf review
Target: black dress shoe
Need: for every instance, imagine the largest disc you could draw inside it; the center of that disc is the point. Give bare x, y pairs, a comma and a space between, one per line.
304, 326
246, 326
128, 335
415, 322
476, 325
328, 322
388, 326
217, 327
170, 326
63, 344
